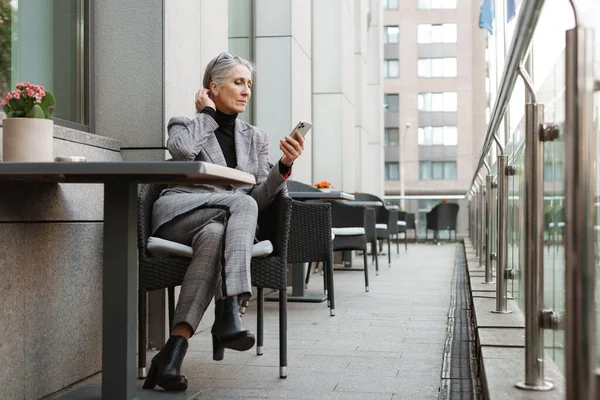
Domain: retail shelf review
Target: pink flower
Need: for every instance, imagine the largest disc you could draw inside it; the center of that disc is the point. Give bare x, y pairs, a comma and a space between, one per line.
38, 102
30, 93
38, 97
16, 94
7, 96
42, 93
4, 103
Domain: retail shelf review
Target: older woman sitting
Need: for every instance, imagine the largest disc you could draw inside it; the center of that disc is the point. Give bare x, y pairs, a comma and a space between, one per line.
219, 223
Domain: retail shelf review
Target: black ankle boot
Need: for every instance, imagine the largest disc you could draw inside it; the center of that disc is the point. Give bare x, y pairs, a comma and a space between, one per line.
228, 331
165, 370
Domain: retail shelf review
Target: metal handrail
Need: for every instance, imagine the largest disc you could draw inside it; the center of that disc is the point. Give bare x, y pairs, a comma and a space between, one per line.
527, 21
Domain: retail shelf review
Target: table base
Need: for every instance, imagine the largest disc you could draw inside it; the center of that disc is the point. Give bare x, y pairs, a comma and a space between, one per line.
94, 393
306, 298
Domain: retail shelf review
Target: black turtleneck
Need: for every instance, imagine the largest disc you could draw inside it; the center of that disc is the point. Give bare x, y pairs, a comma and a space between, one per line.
225, 135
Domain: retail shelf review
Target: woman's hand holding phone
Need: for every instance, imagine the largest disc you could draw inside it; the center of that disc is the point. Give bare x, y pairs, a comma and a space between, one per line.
292, 147
203, 99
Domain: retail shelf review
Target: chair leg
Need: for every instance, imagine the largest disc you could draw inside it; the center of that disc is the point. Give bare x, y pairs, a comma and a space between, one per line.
330, 293
325, 285
171, 292
366, 270
260, 323
389, 252
397, 244
142, 335
307, 276
406, 240
283, 334
373, 251
376, 263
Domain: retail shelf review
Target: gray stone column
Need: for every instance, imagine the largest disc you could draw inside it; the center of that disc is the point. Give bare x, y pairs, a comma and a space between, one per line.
283, 52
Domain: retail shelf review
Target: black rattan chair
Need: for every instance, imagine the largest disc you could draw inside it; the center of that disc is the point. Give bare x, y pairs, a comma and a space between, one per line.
442, 217
266, 272
383, 216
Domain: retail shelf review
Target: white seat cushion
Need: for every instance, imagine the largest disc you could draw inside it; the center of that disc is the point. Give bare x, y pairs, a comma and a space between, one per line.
165, 248
401, 223
348, 231
381, 226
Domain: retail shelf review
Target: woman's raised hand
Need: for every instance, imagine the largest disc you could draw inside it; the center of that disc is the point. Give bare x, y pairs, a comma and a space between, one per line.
292, 147
203, 100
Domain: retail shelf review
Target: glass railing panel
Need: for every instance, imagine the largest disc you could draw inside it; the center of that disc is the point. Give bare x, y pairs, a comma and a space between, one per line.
597, 222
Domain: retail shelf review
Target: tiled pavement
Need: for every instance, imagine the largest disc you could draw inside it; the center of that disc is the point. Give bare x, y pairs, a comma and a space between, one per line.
385, 344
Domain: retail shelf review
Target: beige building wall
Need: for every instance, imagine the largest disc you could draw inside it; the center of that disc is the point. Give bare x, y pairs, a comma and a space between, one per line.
469, 85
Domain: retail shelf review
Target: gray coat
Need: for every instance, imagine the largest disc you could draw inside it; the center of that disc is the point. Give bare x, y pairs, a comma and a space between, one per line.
189, 138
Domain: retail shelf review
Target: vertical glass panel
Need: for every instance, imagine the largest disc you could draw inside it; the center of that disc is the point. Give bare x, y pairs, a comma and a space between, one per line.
45, 43
450, 136
423, 4
437, 170
391, 102
437, 67
421, 136
438, 135
425, 170
391, 34
391, 136
450, 101
437, 102
449, 33
424, 33
390, 4
424, 67
450, 4
450, 67
450, 170
437, 34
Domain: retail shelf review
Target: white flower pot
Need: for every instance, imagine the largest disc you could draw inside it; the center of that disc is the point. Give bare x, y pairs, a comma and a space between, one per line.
27, 140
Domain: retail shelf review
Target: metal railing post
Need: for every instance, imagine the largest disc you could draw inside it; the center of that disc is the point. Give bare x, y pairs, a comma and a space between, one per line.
481, 227
534, 262
489, 208
580, 213
501, 262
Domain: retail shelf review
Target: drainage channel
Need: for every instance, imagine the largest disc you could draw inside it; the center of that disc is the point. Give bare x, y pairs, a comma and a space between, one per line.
459, 368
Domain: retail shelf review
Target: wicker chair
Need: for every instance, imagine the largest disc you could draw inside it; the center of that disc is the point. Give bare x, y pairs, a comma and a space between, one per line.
343, 215
386, 219
310, 241
442, 217
266, 272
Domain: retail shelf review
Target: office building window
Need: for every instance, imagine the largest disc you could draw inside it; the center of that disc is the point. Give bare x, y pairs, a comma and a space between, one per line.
437, 67
444, 101
391, 136
392, 171
390, 34
438, 136
437, 170
390, 68
390, 102
46, 43
436, 4
390, 4
436, 33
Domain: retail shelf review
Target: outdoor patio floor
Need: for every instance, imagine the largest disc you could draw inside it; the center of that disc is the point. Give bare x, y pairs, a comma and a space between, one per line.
385, 344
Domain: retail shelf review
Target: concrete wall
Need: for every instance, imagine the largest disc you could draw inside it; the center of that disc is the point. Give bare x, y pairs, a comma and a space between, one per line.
51, 277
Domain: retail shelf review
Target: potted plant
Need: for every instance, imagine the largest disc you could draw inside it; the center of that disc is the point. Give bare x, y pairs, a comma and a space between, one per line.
27, 130
324, 186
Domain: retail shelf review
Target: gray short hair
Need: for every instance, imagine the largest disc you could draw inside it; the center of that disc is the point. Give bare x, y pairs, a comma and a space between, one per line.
219, 68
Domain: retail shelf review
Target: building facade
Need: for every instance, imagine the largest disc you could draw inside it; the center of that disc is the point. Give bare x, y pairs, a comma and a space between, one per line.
119, 71
435, 99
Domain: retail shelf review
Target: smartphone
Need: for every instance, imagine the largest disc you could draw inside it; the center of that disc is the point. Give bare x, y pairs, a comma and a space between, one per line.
303, 127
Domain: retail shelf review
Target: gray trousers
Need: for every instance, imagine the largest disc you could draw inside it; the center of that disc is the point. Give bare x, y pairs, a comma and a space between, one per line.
204, 229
